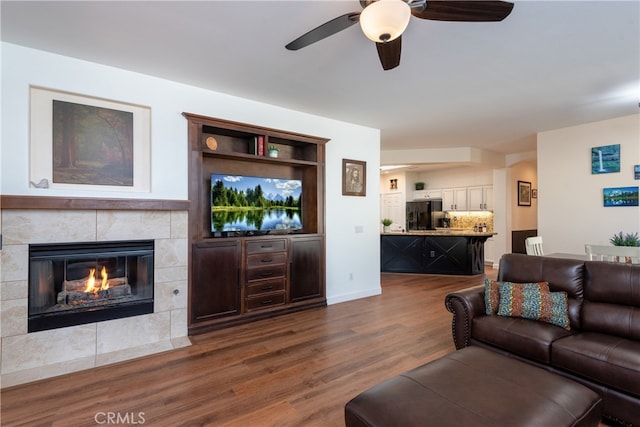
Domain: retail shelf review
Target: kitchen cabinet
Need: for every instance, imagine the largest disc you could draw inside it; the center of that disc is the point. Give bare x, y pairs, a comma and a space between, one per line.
427, 194
454, 199
393, 207
432, 253
480, 198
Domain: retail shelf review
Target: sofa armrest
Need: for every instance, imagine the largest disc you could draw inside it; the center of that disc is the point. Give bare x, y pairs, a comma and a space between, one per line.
465, 305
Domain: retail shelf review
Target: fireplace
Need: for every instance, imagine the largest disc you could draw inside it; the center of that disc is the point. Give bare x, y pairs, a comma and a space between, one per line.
77, 283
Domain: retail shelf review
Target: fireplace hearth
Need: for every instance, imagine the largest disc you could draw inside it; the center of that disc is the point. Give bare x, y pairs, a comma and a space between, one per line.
78, 283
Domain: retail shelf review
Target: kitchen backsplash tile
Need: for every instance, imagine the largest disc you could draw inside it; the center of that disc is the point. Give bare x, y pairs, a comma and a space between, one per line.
461, 219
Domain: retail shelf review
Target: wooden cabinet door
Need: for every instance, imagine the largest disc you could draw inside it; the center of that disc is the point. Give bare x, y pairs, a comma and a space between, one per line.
215, 290
307, 269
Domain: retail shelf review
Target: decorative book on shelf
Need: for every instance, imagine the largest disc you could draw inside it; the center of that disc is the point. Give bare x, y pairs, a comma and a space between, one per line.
257, 146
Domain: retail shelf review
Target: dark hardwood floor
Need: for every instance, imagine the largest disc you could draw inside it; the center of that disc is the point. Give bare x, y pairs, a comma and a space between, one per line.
294, 370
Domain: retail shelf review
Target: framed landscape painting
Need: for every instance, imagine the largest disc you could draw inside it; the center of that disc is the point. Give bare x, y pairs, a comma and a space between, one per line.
620, 196
85, 143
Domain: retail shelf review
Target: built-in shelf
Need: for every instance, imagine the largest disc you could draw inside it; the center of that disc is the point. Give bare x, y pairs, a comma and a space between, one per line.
232, 279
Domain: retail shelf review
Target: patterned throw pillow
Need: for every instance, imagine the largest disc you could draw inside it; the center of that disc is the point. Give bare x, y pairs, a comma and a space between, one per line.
534, 302
492, 293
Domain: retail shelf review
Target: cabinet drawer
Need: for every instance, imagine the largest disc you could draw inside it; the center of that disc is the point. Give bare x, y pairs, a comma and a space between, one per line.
266, 272
260, 246
265, 286
265, 301
266, 259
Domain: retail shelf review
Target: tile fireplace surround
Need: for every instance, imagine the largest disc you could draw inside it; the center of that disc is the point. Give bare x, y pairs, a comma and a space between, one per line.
27, 357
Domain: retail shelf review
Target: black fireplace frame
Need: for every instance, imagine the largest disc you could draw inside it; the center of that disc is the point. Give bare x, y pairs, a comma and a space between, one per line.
74, 317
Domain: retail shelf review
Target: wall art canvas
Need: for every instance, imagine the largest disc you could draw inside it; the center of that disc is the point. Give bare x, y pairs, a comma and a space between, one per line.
80, 142
636, 172
605, 159
620, 196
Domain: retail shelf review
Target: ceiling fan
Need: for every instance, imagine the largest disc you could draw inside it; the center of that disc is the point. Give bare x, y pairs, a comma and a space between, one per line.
383, 21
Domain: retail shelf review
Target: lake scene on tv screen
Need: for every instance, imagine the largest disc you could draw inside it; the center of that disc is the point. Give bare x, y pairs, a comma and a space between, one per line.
250, 203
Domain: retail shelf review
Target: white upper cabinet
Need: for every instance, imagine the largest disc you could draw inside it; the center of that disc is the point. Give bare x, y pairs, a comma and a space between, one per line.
480, 198
427, 194
454, 199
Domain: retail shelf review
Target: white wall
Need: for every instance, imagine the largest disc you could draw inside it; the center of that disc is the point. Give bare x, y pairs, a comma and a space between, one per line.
352, 231
570, 203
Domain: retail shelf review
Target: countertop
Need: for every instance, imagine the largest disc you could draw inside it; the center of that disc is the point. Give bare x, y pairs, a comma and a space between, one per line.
442, 232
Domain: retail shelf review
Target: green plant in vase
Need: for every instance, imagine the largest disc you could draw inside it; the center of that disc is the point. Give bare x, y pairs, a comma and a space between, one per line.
386, 223
273, 151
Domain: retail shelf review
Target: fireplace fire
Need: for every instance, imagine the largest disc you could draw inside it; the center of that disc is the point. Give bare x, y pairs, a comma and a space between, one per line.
78, 283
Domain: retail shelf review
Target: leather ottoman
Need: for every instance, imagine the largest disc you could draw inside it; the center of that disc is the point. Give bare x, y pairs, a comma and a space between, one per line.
475, 387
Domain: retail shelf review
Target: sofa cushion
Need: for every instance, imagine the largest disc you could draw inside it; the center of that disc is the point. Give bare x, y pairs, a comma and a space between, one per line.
612, 299
492, 293
527, 338
533, 301
563, 275
602, 358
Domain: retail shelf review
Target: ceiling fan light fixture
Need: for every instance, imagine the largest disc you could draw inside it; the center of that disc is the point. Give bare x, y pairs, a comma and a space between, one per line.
385, 20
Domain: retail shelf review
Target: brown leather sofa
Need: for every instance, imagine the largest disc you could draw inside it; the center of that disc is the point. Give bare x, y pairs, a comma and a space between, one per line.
602, 348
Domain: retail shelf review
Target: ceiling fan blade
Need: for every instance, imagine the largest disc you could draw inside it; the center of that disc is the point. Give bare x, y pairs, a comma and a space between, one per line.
325, 30
389, 53
464, 11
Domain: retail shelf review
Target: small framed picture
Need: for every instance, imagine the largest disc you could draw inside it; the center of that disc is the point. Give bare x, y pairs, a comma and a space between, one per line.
636, 172
534, 193
524, 193
354, 178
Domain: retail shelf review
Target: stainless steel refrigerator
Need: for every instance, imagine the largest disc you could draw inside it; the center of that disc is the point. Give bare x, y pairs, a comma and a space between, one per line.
424, 215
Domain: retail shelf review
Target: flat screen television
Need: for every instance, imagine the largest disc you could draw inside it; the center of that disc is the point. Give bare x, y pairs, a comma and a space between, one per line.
242, 203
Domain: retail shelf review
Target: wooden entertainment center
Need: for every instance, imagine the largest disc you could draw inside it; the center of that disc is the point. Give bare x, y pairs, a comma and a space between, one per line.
239, 277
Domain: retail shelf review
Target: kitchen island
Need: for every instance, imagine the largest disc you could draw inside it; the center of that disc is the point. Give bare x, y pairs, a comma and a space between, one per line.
442, 251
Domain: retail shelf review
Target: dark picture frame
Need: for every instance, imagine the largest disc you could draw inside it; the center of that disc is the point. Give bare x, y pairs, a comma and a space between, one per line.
354, 177
524, 193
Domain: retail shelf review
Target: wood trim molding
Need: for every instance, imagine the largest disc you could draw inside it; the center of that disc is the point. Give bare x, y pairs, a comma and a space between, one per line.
73, 203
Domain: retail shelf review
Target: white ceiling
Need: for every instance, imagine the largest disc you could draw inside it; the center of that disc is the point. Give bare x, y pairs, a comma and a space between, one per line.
550, 64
